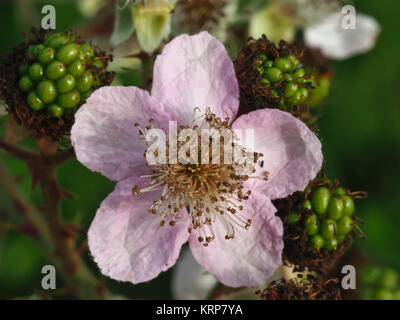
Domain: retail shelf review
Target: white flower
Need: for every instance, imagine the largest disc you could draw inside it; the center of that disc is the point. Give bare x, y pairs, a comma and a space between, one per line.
338, 43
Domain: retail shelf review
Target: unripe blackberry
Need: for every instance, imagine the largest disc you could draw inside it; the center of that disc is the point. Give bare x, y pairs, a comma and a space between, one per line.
62, 60
282, 76
294, 83
41, 74
316, 229
334, 221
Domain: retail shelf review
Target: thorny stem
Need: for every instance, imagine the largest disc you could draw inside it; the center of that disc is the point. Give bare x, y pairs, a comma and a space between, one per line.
26, 210
18, 152
52, 230
62, 239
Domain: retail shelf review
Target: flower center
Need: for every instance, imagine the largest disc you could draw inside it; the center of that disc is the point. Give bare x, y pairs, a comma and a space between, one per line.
207, 181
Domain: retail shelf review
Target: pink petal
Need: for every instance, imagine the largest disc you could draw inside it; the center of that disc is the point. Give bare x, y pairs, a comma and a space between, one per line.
127, 242
253, 255
104, 134
292, 152
196, 71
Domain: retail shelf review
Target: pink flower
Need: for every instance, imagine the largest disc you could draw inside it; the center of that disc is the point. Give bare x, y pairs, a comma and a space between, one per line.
233, 234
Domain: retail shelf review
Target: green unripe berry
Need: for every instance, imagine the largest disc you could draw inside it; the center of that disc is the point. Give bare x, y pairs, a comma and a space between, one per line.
291, 89
34, 101
69, 100
320, 200
76, 68
274, 74
34, 51
331, 244
288, 77
65, 83
341, 238
23, 69
46, 55
55, 70
50, 37
344, 225
339, 192
335, 208
46, 91
97, 63
383, 294
294, 61
58, 42
348, 205
297, 98
82, 55
307, 205
283, 64
31, 51
68, 53
300, 73
371, 275
85, 96
303, 94
265, 82
389, 279
321, 91
55, 110
268, 64
317, 242
25, 84
36, 72
88, 48
293, 218
85, 82
328, 229
312, 225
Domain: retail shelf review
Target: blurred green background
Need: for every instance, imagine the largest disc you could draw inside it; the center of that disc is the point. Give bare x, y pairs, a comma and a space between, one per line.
360, 132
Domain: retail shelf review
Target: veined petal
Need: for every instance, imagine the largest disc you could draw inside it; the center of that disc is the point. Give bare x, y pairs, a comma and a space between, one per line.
196, 71
292, 152
253, 255
338, 43
104, 134
127, 242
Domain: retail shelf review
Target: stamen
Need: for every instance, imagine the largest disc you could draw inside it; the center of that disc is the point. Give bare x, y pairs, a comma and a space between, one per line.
211, 192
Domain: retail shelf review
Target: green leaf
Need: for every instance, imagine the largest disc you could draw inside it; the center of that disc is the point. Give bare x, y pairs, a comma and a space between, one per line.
124, 26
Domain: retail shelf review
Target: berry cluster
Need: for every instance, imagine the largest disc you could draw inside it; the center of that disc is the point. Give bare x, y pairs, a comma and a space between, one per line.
289, 71
59, 73
328, 218
380, 284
